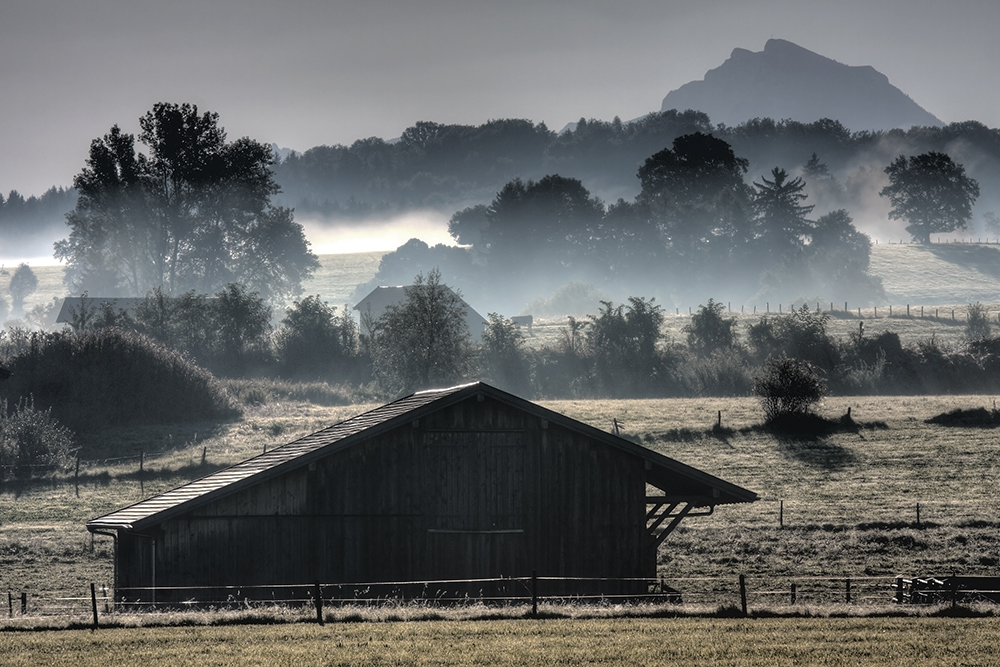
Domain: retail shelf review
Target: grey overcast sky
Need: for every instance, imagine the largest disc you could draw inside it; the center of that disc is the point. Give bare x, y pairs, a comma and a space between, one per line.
301, 73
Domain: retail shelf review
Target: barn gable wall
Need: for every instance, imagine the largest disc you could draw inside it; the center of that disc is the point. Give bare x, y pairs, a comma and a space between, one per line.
473, 490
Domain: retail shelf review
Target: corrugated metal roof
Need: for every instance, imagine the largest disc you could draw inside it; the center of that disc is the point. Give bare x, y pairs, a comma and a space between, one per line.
293, 453
345, 433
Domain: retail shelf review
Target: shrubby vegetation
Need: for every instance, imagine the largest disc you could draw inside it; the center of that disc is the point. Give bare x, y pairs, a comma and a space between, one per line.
787, 387
30, 437
108, 377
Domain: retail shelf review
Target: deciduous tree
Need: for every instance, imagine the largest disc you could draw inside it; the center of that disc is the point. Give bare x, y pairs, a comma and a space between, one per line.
193, 213
23, 284
422, 342
931, 192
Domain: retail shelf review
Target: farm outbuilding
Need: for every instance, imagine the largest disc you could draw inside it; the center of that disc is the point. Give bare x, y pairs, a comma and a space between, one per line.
379, 299
463, 483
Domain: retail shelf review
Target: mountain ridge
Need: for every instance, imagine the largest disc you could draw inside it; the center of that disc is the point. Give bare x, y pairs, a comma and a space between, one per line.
788, 81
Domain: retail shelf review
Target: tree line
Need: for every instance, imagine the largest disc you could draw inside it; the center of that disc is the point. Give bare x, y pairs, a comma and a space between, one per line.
447, 166
696, 225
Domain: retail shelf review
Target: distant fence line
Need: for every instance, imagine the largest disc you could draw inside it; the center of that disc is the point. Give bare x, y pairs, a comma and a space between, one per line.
905, 311
738, 591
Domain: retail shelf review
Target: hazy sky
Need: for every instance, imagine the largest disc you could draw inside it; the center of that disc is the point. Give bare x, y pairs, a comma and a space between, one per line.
301, 73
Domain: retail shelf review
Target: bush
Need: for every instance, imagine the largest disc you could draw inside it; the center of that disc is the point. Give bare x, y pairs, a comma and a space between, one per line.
316, 343
30, 437
109, 377
978, 325
503, 359
787, 386
800, 334
709, 331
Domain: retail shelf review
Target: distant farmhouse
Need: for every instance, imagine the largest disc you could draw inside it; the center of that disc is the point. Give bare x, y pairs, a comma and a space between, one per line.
380, 298
465, 483
72, 306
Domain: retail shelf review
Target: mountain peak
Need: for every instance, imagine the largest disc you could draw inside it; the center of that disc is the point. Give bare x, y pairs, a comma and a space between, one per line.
786, 80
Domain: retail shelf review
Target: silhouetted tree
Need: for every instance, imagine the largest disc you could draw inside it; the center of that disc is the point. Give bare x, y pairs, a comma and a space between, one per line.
549, 220
931, 192
781, 216
195, 213
23, 284
839, 257
694, 191
466, 226
243, 325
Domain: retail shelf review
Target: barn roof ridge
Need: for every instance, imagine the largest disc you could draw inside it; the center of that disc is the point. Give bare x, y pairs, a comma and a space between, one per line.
348, 432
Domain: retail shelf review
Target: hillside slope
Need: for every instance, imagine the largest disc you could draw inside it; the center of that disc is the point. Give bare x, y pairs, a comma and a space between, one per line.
938, 274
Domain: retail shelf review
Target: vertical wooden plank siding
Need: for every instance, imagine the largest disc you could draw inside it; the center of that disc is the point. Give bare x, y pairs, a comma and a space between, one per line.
476, 490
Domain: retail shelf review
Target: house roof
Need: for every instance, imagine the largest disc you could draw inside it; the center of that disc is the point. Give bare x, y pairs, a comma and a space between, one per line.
73, 304
384, 296
352, 431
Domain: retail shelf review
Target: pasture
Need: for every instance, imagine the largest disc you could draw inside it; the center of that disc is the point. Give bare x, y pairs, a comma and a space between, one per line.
831, 507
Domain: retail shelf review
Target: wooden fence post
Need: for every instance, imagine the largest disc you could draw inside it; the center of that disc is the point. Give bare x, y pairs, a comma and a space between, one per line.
24, 603
319, 603
743, 594
76, 475
10, 603
793, 593
93, 603
781, 513
899, 590
847, 587
534, 593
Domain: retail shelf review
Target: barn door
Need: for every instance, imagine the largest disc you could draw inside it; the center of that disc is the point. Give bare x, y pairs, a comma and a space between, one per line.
474, 505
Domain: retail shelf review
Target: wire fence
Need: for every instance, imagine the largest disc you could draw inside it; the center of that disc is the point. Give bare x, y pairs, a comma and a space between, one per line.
521, 595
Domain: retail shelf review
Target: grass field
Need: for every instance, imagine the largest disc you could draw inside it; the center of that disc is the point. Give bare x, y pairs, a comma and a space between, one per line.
848, 501
772, 642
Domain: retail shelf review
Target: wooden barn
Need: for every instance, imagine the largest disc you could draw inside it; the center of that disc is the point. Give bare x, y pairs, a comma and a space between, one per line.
464, 483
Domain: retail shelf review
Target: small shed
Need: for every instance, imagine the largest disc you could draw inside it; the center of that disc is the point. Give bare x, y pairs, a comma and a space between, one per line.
464, 483
382, 297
